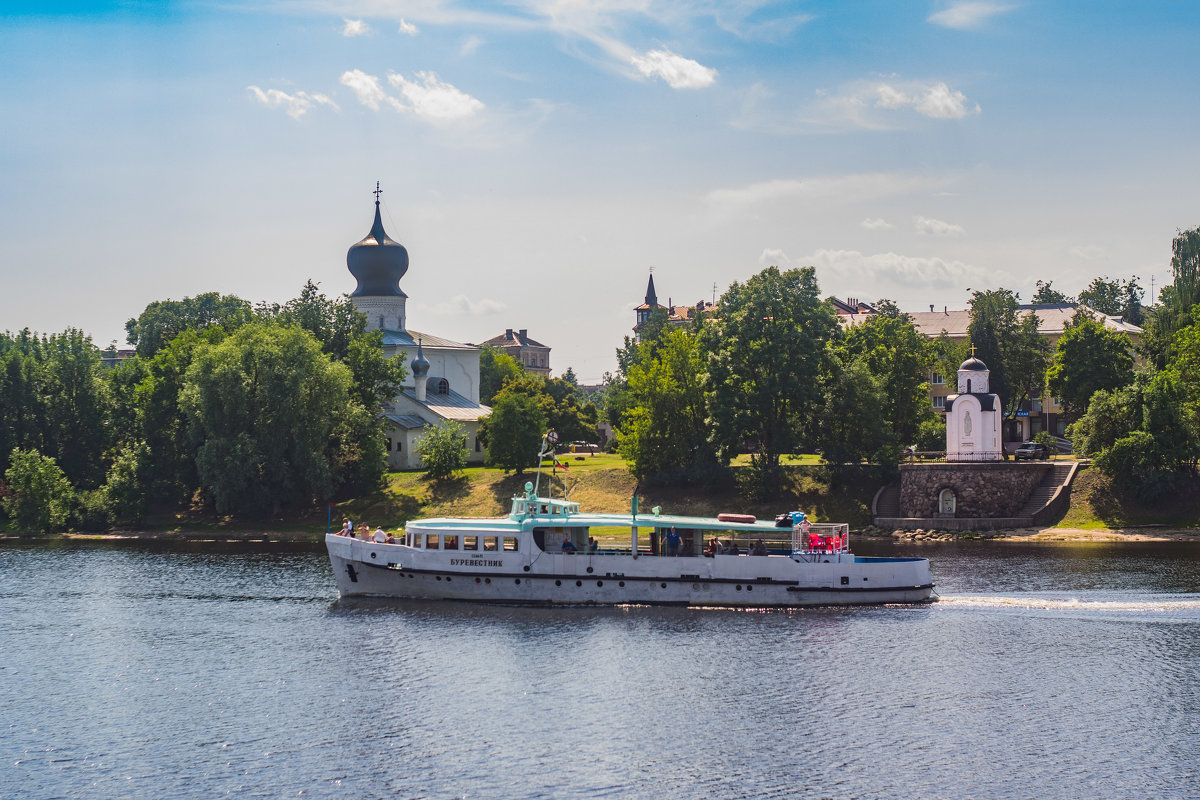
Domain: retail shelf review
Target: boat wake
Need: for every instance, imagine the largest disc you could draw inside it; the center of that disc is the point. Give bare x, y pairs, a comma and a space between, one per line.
1183, 607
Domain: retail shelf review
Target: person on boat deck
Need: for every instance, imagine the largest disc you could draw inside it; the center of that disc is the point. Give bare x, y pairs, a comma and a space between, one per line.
347, 527
593, 545
380, 535
733, 548
714, 546
568, 546
673, 542
759, 549
364, 531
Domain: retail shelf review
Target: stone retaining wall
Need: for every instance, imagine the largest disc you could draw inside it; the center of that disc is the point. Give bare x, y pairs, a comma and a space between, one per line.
991, 490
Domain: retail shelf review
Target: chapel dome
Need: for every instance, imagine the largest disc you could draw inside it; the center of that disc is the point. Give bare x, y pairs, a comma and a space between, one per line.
973, 364
420, 364
377, 263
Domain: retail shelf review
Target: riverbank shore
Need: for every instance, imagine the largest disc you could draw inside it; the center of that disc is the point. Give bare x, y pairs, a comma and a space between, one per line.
1149, 533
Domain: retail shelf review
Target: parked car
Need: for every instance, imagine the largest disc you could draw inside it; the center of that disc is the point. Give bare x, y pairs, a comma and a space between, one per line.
1034, 451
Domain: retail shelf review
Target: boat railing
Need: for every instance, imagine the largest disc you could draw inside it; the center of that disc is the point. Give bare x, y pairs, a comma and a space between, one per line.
821, 538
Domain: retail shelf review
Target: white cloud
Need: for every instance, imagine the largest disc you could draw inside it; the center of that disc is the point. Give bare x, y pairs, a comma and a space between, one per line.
461, 304
296, 105
875, 224
355, 27
935, 227
426, 96
968, 15
1087, 252
367, 89
846, 188
407, 28
848, 270
469, 46
677, 71
936, 100
434, 100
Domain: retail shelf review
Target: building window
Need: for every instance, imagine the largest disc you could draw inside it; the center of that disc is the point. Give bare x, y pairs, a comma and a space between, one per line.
478, 446
938, 379
389, 444
939, 401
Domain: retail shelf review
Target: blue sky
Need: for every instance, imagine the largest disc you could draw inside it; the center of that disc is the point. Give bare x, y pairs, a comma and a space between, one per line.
537, 157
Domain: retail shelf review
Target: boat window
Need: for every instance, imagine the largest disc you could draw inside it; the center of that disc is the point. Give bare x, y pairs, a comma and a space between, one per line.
510, 543
431, 541
470, 543
412, 540
539, 538
544, 509
449, 542
489, 543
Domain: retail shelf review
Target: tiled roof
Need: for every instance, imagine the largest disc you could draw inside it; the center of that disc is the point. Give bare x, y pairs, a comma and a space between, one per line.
516, 338
1051, 320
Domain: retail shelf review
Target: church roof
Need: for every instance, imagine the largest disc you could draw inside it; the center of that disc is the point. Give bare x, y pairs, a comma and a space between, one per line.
451, 405
377, 262
973, 364
408, 422
408, 339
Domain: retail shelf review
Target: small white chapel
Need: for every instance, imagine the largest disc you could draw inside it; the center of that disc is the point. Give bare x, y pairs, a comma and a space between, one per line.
973, 416
443, 376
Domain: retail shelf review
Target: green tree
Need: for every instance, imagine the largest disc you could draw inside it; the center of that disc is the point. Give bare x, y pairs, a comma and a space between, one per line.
1088, 357
513, 432
1046, 295
854, 420
1176, 301
1014, 350
1104, 295
274, 420
1139, 436
767, 352
443, 450
665, 433
163, 320
495, 369
39, 495
77, 407
126, 491
893, 350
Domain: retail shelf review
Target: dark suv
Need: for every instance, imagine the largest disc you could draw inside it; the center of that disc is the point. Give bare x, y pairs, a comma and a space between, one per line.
1034, 451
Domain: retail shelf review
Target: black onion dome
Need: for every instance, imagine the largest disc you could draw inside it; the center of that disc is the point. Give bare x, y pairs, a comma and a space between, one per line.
973, 364
420, 364
377, 263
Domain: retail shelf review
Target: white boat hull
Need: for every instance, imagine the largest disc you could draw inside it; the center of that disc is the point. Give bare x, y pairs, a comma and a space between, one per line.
364, 568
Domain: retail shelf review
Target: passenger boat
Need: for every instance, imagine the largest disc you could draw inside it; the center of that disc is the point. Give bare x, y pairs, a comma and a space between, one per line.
545, 553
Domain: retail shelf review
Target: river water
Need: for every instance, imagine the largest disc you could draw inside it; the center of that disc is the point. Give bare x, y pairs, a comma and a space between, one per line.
144, 670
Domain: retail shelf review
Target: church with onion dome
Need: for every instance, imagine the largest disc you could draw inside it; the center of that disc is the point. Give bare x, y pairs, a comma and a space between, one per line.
443, 375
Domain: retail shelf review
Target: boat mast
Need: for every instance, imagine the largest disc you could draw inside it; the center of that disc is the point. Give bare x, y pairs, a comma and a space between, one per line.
551, 438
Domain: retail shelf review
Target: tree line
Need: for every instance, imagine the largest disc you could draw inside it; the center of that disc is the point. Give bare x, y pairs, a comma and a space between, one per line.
227, 407
771, 372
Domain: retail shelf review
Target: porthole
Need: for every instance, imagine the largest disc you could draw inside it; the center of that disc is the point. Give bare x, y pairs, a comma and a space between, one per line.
589, 569
558, 583
621, 584
527, 568
749, 588
517, 581
477, 580
579, 583
695, 586
372, 555
447, 579
439, 577
845, 580
487, 580
738, 587
663, 585
599, 583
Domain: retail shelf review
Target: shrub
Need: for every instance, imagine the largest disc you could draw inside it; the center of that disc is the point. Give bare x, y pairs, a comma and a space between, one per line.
39, 495
443, 450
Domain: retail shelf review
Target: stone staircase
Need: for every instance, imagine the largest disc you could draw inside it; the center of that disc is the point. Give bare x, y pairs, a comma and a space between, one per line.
1042, 501
887, 501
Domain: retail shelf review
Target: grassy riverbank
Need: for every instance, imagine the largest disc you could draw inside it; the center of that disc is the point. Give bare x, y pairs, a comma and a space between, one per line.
603, 483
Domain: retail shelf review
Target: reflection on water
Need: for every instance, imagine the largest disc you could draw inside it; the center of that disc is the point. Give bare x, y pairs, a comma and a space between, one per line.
134, 670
